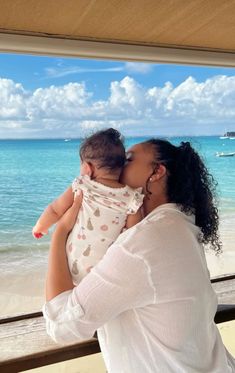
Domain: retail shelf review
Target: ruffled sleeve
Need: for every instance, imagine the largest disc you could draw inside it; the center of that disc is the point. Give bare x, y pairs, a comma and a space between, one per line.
77, 184
136, 201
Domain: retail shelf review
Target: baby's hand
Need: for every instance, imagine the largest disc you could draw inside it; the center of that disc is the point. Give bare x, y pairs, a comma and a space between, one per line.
37, 234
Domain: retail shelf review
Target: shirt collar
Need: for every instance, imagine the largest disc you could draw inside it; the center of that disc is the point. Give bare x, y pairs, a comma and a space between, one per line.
170, 207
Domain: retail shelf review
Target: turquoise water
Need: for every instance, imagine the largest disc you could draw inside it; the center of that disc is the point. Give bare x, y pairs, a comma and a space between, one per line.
34, 172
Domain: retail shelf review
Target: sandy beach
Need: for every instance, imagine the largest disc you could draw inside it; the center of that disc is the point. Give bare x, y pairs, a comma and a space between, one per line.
87, 364
22, 293
227, 331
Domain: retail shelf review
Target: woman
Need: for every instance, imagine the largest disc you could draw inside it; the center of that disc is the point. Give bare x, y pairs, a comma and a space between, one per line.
150, 297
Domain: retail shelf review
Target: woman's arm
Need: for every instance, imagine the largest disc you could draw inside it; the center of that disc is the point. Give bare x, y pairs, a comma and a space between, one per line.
53, 212
119, 282
58, 275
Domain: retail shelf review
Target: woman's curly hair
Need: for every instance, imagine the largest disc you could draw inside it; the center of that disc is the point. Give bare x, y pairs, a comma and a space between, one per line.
190, 185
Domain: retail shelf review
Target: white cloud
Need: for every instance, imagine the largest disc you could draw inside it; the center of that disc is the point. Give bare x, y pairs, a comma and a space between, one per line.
61, 71
129, 67
138, 67
70, 110
126, 95
62, 102
12, 100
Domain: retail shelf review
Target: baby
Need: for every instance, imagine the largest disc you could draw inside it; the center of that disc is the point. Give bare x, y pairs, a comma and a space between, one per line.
107, 205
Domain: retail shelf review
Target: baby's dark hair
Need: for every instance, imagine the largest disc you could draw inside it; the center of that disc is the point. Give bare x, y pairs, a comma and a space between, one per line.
190, 185
105, 148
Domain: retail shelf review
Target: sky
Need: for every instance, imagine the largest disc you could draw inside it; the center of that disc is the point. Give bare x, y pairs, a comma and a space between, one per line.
50, 97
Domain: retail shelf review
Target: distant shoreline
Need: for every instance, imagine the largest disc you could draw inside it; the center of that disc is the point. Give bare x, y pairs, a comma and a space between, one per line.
127, 137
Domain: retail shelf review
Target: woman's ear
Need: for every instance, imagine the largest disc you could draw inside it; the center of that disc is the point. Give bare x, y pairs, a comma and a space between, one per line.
158, 174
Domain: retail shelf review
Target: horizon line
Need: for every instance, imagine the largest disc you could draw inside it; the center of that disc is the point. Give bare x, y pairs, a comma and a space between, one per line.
80, 138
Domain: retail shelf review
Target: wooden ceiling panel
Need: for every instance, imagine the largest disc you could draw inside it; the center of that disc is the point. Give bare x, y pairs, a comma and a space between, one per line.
195, 24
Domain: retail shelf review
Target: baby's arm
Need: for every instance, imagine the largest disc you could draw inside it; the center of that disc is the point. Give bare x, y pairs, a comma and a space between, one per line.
53, 213
133, 219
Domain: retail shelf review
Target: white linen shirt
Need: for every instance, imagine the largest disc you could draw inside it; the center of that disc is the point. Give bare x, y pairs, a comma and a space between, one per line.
151, 300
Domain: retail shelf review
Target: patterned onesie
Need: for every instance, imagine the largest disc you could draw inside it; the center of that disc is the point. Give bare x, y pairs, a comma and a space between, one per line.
100, 220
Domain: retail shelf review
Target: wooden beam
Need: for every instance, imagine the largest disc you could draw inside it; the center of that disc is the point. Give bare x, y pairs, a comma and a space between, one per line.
55, 46
25, 345
225, 313
223, 278
23, 316
26, 362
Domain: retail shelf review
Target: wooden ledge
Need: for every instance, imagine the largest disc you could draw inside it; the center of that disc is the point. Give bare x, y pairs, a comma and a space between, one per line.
225, 313
25, 344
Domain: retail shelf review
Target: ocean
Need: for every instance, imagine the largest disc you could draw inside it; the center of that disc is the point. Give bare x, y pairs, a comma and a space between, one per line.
34, 172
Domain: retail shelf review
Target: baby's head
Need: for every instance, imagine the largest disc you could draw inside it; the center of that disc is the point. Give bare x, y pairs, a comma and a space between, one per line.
103, 151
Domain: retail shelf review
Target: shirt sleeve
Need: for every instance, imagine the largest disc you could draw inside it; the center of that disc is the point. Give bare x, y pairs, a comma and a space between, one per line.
119, 282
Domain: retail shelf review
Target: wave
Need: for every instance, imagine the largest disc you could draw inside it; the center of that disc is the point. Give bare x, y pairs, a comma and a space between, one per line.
23, 248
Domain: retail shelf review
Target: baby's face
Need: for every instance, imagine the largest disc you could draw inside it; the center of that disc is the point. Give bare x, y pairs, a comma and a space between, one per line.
138, 167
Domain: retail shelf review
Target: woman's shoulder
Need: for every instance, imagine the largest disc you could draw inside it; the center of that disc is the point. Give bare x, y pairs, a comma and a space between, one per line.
171, 213
137, 237
163, 225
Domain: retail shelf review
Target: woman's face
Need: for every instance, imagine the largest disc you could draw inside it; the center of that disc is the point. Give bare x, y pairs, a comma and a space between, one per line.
138, 167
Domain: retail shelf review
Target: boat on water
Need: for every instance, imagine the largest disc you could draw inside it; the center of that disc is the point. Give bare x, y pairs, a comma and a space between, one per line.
222, 154
228, 135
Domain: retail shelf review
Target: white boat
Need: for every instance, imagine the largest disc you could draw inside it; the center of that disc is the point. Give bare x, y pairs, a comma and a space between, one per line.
228, 135
222, 154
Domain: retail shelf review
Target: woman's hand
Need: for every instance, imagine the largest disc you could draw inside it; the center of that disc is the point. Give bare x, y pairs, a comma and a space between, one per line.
68, 220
